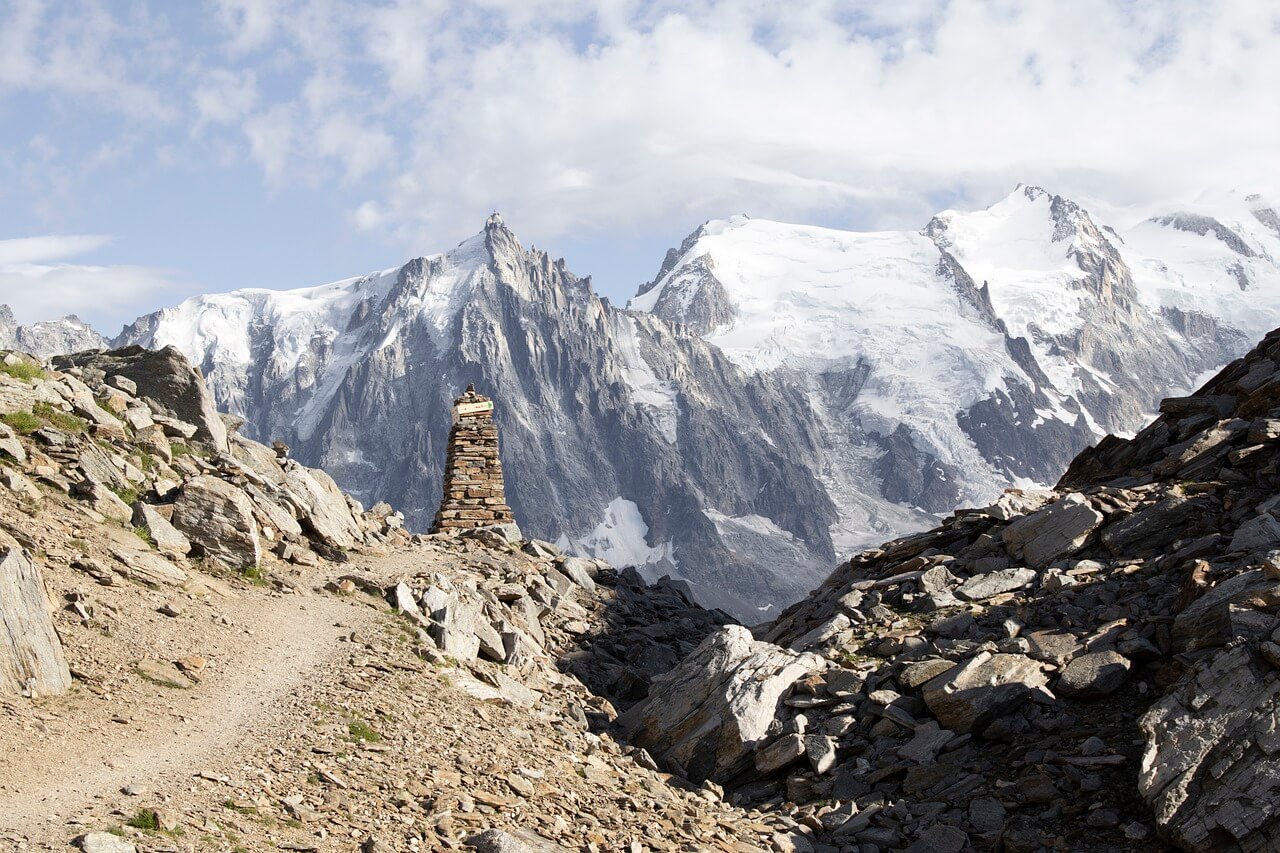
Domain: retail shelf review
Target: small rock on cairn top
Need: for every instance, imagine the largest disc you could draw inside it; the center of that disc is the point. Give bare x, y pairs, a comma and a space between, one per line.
473, 491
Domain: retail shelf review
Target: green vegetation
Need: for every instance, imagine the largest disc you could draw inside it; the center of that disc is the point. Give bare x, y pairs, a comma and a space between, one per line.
127, 494
255, 575
360, 730
58, 418
145, 535
23, 423
144, 819
23, 369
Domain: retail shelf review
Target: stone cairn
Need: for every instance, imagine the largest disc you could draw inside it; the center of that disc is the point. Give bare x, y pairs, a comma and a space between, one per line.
474, 495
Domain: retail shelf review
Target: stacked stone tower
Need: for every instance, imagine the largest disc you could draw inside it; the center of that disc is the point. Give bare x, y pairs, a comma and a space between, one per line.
474, 495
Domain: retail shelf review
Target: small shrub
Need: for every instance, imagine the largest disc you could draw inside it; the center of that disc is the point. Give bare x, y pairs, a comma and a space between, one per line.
360, 730
23, 423
255, 575
23, 369
144, 819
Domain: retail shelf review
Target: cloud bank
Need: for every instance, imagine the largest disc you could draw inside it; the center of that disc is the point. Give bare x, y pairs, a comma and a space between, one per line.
619, 117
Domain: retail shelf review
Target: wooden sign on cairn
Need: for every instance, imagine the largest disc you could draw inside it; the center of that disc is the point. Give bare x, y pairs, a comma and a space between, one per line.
474, 495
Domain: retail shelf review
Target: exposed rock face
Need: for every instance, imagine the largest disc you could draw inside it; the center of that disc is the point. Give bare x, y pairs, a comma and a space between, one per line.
709, 714
1210, 769
218, 519
164, 380
31, 659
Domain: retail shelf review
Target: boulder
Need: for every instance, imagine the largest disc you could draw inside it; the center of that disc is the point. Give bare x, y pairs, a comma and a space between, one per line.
1211, 766
706, 717
1236, 607
167, 538
165, 380
324, 510
104, 842
514, 841
971, 695
31, 659
218, 519
993, 584
1154, 527
1061, 528
1093, 675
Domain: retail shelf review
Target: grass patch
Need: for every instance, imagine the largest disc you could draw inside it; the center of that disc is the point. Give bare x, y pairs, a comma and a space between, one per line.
255, 575
360, 730
128, 494
145, 819
23, 369
145, 535
237, 807
58, 418
23, 423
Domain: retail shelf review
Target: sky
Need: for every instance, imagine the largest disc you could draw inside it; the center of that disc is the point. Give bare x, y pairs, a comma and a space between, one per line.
150, 151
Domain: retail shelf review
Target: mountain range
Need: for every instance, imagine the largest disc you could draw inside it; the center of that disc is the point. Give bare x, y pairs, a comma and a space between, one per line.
776, 396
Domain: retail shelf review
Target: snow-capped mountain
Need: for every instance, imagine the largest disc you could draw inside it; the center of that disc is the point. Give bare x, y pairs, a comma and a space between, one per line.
48, 337
778, 394
983, 351
622, 435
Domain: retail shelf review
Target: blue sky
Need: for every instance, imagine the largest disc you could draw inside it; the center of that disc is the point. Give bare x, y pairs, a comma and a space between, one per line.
162, 149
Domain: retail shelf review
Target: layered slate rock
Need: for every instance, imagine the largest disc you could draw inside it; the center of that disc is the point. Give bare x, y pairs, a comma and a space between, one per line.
474, 494
709, 715
218, 519
31, 659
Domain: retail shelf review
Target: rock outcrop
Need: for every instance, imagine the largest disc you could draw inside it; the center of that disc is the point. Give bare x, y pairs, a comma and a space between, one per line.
31, 659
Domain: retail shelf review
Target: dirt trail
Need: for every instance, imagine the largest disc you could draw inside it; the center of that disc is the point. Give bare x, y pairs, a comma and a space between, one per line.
80, 776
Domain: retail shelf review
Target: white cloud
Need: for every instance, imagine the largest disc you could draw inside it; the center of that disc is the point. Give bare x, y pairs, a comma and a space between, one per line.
617, 115
39, 286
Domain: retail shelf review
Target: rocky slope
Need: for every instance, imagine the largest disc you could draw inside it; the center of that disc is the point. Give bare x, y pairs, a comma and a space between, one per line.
779, 395
211, 648
1088, 668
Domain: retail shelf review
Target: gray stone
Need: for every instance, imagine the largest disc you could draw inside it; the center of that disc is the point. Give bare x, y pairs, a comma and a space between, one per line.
1153, 527
780, 753
970, 695
1060, 529
1259, 534
104, 842
514, 841
579, 571
995, 583
1093, 675
218, 519
31, 659
940, 838
821, 752
987, 815
322, 507
165, 380
167, 538
708, 715
1211, 767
